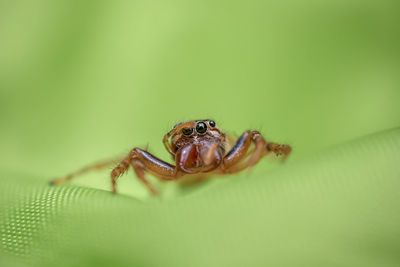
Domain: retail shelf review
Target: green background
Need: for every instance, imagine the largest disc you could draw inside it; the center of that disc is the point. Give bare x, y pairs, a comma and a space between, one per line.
82, 81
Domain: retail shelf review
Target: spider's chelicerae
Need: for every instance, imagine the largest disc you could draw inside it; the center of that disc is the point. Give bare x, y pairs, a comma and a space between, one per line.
199, 149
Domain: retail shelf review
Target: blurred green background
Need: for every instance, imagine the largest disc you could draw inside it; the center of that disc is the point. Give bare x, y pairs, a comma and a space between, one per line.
82, 81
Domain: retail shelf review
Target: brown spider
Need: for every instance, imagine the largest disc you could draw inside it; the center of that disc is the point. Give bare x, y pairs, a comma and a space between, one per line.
197, 147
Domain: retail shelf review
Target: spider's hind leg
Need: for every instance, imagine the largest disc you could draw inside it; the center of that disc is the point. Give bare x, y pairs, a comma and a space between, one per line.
94, 167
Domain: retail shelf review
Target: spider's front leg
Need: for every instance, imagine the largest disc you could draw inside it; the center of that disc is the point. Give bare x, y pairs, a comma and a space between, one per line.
240, 149
142, 161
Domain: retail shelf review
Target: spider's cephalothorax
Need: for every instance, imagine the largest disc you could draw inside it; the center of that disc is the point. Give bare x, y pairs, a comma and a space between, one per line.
197, 147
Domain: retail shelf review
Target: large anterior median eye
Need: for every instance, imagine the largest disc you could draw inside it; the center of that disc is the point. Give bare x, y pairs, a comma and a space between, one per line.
201, 127
187, 131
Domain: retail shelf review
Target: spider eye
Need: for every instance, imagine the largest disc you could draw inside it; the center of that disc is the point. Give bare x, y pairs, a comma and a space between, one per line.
201, 127
187, 131
212, 123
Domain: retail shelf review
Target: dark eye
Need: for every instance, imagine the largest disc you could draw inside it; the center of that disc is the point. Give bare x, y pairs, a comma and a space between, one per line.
201, 127
187, 131
212, 123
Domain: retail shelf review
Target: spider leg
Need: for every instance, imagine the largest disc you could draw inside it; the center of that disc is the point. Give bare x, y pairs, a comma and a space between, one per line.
279, 150
93, 167
142, 161
238, 158
166, 142
239, 150
139, 169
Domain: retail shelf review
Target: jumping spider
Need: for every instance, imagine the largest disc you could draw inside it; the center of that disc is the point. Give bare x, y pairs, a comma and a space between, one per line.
199, 148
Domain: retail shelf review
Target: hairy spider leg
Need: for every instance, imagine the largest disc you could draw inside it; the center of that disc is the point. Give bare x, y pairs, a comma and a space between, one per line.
278, 149
94, 167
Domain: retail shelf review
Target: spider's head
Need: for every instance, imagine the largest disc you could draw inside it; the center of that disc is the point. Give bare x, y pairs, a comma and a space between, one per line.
194, 132
200, 141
